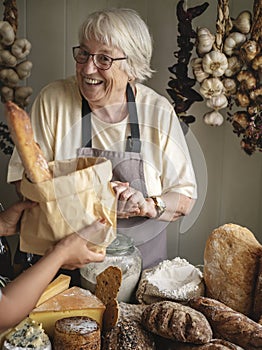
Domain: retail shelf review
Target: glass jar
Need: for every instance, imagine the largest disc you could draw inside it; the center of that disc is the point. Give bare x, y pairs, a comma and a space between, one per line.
122, 253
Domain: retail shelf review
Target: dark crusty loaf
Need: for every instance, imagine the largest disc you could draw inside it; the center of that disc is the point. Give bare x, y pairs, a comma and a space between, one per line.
229, 324
128, 333
214, 344
176, 322
257, 308
77, 333
231, 260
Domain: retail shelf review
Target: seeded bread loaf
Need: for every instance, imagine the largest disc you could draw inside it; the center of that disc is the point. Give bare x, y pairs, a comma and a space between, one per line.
229, 324
178, 322
34, 162
128, 333
231, 260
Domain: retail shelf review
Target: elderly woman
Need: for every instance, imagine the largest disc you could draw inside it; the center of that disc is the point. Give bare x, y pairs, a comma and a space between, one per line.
106, 111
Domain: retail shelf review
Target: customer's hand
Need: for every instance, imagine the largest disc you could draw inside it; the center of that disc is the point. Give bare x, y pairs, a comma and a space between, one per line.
10, 217
74, 251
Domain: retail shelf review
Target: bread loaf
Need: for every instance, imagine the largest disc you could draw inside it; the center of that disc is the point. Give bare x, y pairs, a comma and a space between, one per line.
174, 321
108, 283
214, 344
231, 260
77, 333
128, 333
257, 308
229, 324
34, 162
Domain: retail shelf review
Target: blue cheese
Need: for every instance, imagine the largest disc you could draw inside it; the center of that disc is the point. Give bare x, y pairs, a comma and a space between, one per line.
29, 334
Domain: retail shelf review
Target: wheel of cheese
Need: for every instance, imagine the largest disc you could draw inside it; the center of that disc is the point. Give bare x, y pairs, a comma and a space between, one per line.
77, 333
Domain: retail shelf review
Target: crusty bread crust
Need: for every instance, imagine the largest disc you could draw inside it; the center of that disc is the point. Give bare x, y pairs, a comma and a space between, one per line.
229, 324
34, 162
77, 333
231, 261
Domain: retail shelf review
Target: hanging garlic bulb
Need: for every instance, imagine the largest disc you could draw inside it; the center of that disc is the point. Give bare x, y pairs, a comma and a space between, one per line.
234, 66
232, 42
243, 22
242, 99
213, 118
217, 102
205, 41
257, 62
240, 120
211, 87
215, 63
247, 80
249, 50
198, 72
230, 86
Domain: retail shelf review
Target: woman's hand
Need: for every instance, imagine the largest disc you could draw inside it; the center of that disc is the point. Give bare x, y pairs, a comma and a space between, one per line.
10, 217
131, 202
75, 250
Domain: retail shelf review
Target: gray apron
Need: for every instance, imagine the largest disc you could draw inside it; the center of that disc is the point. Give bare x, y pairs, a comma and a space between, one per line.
149, 235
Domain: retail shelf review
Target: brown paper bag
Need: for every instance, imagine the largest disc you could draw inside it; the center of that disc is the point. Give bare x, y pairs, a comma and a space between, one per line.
79, 194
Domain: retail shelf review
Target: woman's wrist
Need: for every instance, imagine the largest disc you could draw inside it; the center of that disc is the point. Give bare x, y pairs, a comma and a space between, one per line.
151, 208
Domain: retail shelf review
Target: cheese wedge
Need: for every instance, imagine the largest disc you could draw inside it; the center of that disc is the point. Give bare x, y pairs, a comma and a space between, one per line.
57, 286
74, 301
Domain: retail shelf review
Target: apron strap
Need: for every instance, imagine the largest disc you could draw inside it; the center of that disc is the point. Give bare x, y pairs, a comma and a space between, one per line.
86, 124
133, 143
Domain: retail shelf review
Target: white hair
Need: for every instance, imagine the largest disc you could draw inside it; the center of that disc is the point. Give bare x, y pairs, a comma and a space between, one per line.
124, 29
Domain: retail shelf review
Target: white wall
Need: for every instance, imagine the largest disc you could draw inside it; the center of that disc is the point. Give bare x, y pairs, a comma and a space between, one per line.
232, 178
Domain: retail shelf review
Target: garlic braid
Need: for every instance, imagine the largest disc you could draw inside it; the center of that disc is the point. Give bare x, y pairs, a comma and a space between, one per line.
11, 14
223, 24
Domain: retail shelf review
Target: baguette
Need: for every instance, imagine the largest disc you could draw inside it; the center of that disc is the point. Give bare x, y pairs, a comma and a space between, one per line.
229, 324
33, 160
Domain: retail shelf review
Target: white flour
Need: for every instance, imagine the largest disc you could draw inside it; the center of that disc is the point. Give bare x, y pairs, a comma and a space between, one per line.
175, 279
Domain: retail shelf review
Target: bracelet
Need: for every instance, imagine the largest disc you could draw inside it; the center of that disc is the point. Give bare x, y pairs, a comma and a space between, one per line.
160, 206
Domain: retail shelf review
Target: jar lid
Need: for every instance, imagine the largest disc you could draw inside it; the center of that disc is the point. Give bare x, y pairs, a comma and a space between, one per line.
121, 243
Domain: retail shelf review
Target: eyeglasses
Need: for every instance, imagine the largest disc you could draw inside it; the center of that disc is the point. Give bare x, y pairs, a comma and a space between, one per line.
100, 60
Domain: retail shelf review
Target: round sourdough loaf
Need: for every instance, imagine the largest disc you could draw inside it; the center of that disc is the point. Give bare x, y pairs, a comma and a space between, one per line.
77, 333
231, 261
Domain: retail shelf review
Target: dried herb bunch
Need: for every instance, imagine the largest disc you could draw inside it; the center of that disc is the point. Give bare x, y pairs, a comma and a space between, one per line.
6, 143
180, 88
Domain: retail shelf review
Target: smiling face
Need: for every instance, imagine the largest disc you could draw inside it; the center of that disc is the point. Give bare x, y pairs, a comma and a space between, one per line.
100, 87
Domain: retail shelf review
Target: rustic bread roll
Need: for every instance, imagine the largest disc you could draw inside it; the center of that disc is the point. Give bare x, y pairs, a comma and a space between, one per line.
77, 333
177, 322
257, 308
231, 260
229, 324
34, 162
